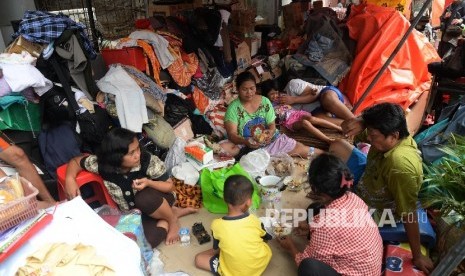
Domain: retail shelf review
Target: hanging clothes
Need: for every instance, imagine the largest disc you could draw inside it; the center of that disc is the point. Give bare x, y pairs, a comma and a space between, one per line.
69, 47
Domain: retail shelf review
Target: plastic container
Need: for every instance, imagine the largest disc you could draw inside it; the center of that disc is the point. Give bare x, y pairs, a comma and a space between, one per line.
185, 236
21, 209
133, 56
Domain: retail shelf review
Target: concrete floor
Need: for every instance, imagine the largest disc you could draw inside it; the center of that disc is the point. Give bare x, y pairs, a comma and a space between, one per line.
181, 258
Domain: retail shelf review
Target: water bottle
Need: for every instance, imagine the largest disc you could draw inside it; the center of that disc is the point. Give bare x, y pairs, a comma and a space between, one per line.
184, 236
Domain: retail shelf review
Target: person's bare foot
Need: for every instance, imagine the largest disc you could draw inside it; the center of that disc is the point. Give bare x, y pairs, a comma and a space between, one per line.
180, 212
172, 236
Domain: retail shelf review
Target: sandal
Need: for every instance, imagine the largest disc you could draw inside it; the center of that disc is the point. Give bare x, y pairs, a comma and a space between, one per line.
200, 233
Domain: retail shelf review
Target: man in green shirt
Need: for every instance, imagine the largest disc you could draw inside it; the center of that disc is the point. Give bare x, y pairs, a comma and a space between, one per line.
390, 176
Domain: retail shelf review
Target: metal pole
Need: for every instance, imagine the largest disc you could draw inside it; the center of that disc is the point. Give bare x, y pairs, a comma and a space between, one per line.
391, 57
90, 14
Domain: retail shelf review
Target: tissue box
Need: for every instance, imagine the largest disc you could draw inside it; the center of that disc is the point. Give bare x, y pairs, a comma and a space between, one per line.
202, 155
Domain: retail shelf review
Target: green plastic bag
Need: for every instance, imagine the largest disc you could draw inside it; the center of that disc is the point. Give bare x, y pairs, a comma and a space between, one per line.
212, 184
20, 117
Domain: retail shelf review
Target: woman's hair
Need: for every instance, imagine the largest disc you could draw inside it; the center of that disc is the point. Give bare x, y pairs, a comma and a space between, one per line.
237, 189
267, 86
387, 118
113, 148
243, 77
326, 173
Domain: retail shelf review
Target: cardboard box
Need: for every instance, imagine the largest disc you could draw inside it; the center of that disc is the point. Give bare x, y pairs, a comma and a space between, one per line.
243, 57
292, 15
261, 76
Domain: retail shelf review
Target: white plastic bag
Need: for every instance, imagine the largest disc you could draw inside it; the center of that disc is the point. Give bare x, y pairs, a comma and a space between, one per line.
175, 155
255, 162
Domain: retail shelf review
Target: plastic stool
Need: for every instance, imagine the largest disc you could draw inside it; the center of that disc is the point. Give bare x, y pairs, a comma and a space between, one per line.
83, 178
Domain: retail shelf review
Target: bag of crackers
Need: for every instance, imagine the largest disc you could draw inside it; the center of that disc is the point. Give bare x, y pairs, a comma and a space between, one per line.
17, 201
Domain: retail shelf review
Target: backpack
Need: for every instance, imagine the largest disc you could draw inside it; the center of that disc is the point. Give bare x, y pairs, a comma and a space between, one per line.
94, 126
54, 106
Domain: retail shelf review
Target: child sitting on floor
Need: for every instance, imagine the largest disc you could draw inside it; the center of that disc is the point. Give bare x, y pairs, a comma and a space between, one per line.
297, 119
239, 246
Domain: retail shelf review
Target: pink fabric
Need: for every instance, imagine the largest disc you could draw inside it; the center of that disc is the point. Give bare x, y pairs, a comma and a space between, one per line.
293, 117
281, 144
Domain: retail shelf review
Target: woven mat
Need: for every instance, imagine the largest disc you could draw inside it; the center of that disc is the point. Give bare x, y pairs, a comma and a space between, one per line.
307, 139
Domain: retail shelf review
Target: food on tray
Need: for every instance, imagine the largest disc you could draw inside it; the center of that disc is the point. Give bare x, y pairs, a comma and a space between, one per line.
281, 229
262, 137
281, 167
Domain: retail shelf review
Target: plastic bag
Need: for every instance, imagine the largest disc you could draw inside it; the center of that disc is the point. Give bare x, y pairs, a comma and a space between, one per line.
281, 165
255, 162
212, 186
175, 155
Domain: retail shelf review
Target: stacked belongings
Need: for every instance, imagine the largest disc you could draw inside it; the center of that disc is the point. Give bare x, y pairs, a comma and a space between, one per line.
69, 115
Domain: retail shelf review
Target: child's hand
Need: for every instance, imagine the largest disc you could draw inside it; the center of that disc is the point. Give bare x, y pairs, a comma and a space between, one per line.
140, 184
286, 99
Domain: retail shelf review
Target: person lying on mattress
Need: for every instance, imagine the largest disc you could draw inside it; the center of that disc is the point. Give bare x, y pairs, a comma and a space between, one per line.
297, 119
317, 99
250, 124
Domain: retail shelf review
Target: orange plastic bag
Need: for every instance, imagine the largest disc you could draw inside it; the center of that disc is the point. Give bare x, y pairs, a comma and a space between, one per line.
377, 31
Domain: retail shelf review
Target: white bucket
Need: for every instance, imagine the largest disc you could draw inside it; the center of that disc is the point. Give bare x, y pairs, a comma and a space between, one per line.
269, 192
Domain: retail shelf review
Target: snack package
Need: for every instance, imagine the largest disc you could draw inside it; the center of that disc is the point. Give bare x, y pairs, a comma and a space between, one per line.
10, 189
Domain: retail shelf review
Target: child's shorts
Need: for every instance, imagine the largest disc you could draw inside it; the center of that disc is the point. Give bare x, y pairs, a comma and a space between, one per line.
214, 264
294, 116
325, 90
357, 163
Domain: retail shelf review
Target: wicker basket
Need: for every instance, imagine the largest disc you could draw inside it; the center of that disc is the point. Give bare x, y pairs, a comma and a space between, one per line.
14, 212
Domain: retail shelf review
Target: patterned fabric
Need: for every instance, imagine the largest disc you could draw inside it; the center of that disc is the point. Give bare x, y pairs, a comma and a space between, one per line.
44, 27
356, 249
149, 86
216, 117
187, 195
184, 67
155, 169
210, 83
